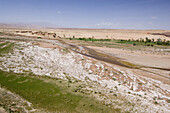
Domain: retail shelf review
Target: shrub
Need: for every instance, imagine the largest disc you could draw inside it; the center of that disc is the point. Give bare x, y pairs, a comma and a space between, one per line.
115, 95
140, 83
155, 102
159, 41
153, 40
75, 90
168, 100
114, 79
124, 82
146, 39
111, 91
69, 81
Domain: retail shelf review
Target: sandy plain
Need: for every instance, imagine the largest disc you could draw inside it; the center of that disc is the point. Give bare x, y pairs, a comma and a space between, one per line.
98, 33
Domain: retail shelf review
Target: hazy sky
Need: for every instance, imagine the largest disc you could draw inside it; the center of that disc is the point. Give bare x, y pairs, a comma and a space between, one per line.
116, 14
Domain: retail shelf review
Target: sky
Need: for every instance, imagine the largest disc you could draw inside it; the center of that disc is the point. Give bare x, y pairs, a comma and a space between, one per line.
108, 14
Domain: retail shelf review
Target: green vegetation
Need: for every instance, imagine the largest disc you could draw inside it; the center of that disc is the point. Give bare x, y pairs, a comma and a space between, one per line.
147, 42
168, 100
39, 37
2, 44
115, 94
155, 102
7, 48
66, 50
89, 39
140, 83
114, 79
44, 93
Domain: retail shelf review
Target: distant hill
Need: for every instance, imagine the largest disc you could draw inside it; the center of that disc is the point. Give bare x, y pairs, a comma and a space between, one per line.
29, 25
4, 25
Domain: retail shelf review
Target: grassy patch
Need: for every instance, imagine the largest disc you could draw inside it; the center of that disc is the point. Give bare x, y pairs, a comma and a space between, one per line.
133, 42
66, 50
7, 48
89, 39
2, 44
115, 44
136, 42
50, 96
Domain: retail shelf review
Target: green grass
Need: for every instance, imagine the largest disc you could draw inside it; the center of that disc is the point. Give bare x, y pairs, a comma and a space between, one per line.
2, 44
89, 39
50, 96
139, 42
113, 42
7, 48
130, 42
